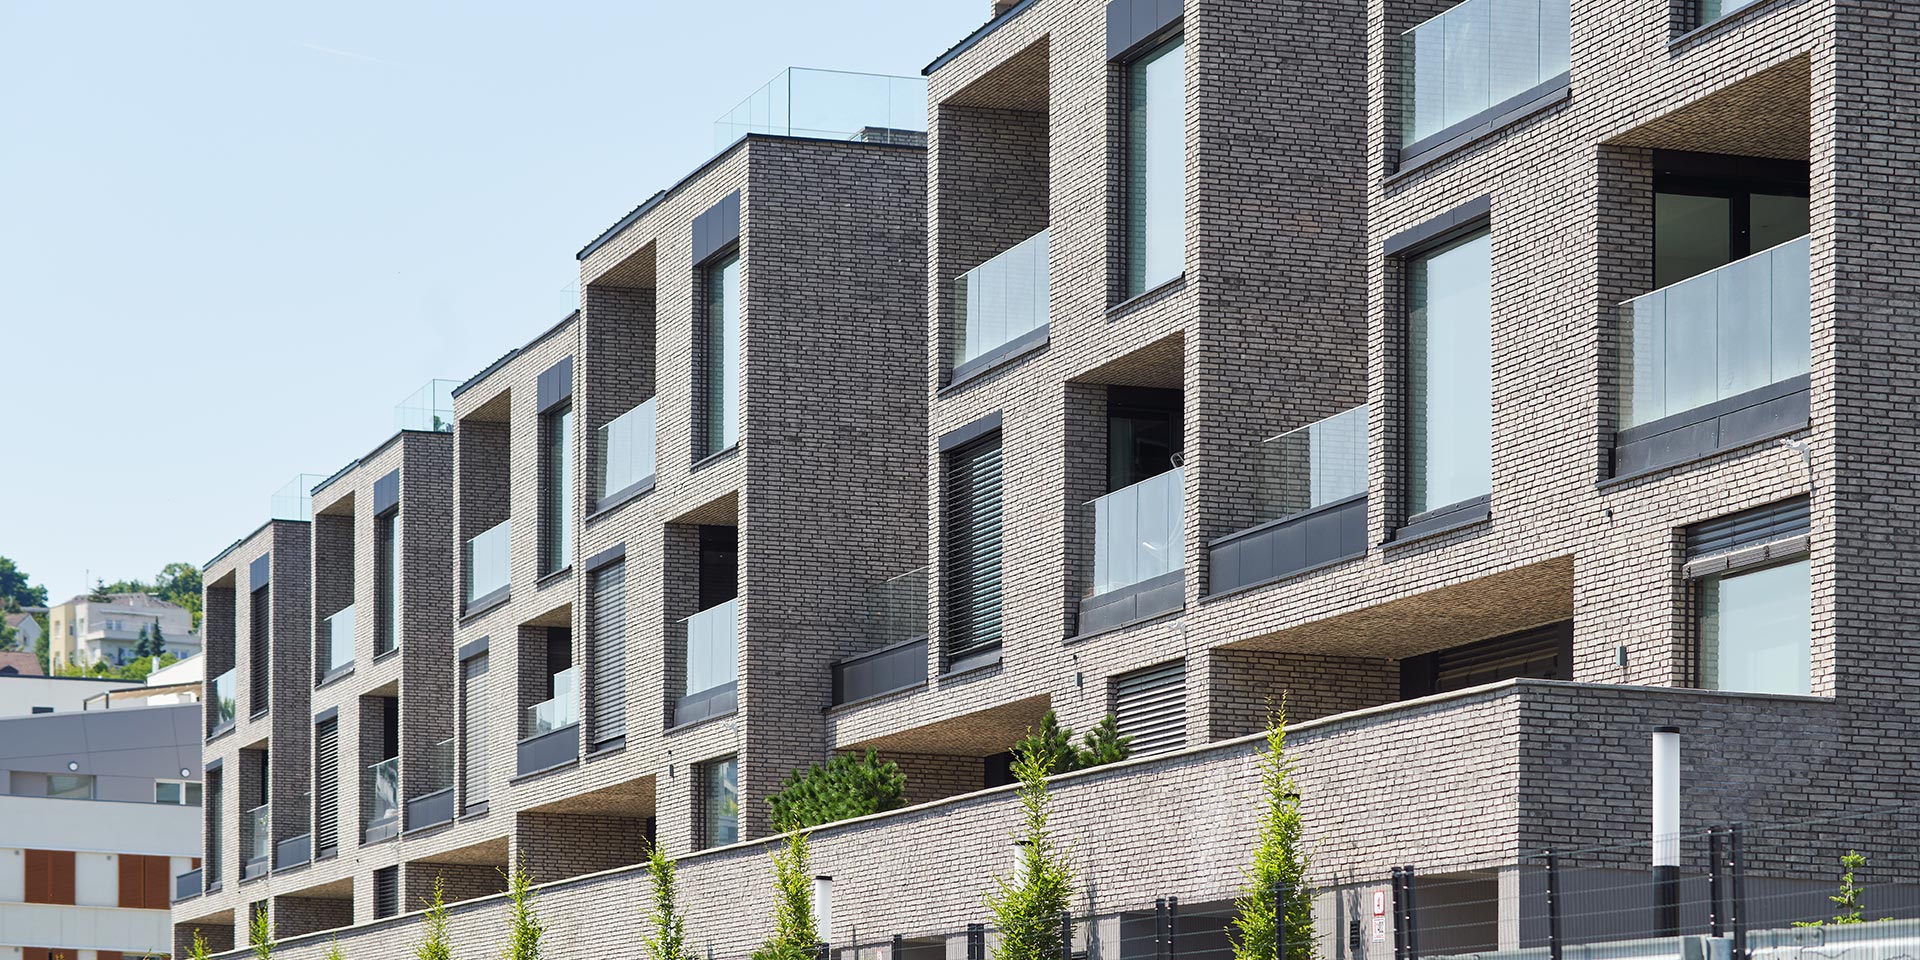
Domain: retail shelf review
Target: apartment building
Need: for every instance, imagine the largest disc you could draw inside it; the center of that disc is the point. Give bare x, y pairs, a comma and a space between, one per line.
1494, 381
99, 816
85, 631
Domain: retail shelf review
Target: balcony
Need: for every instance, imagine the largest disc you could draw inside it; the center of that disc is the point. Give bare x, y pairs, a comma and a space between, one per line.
1001, 306
1715, 361
627, 466
294, 501
488, 557
259, 842
186, 886
896, 623
712, 661
226, 704
382, 787
430, 408
339, 642
1138, 539
1478, 65
550, 730
435, 804
1312, 505
830, 105
1711, 10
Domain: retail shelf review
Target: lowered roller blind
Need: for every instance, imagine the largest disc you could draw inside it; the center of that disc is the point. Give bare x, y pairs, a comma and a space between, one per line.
473, 731
973, 549
1749, 538
1151, 707
326, 786
259, 642
607, 652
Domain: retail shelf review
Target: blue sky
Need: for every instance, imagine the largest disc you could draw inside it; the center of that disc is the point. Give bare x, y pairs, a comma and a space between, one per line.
234, 235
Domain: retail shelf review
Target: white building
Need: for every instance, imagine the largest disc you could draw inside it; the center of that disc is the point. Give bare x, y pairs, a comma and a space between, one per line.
87, 631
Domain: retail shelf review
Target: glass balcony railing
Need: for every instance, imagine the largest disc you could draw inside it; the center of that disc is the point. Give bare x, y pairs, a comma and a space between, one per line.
340, 639
260, 830
1138, 531
1476, 56
429, 408
897, 608
439, 767
830, 104
295, 500
1737, 328
225, 697
487, 557
1318, 464
1002, 300
1711, 10
562, 710
627, 448
383, 786
712, 647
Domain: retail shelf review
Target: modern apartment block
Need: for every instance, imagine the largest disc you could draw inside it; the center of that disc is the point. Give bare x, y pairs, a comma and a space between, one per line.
1492, 382
85, 631
100, 815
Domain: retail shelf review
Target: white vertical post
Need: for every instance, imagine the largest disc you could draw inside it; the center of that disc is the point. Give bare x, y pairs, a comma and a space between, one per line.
1666, 830
823, 907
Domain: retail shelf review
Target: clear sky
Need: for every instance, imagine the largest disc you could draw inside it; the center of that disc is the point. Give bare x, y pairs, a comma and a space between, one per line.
233, 235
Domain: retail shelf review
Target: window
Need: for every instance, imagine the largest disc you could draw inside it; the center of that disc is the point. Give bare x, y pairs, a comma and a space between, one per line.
1711, 10
259, 641
1150, 706
720, 802
1450, 293
326, 786
607, 652
70, 786
1710, 210
721, 354
386, 582
1156, 166
973, 553
556, 494
49, 876
182, 792
1753, 600
473, 732
214, 831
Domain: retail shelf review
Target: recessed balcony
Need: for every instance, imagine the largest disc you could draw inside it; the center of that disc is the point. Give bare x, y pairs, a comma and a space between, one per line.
896, 623
1138, 553
433, 804
1312, 495
712, 646
550, 729
488, 559
1001, 307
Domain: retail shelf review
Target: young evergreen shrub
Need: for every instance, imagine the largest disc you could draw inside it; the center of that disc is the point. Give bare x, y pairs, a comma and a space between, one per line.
1052, 745
844, 787
1026, 907
333, 950
1278, 863
260, 934
1104, 745
438, 944
199, 950
523, 924
666, 937
794, 936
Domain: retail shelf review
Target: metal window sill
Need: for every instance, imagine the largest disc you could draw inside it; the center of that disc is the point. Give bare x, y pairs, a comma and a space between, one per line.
1707, 29
1449, 519
607, 749
1003, 357
486, 603
335, 676
380, 658
610, 504
714, 457
1155, 292
549, 579
703, 721
983, 662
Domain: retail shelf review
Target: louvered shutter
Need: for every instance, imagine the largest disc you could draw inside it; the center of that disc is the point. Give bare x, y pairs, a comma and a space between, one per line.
1151, 707
1535, 654
608, 653
1749, 538
473, 731
386, 892
259, 636
326, 786
973, 549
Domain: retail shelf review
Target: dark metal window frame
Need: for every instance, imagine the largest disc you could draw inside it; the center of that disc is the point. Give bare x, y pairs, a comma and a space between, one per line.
386, 582
1121, 179
1786, 522
555, 501
956, 448
706, 367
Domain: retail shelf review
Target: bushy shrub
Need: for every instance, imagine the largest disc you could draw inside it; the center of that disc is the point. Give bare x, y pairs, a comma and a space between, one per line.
1279, 863
666, 937
438, 944
844, 787
1052, 745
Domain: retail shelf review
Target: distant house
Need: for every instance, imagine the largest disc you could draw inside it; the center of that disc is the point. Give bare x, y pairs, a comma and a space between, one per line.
26, 627
19, 663
87, 632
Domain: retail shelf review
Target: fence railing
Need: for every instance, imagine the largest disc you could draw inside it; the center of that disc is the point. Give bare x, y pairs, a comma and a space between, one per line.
1138, 531
1001, 300
340, 639
488, 561
1315, 465
1476, 56
557, 712
832, 105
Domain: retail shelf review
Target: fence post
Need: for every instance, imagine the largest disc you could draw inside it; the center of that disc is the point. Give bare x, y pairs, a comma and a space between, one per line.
1737, 910
976, 941
1160, 928
1066, 936
897, 947
1716, 919
1173, 927
1399, 916
820, 950
1556, 941
1279, 921
1413, 914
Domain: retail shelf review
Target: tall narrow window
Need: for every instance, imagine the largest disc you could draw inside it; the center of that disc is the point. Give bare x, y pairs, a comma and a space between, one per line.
1450, 295
1753, 584
215, 833
386, 576
260, 647
721, 354
473, 732
556, 480
326, 787
973, 553
607, 648
720, 802
1156, 166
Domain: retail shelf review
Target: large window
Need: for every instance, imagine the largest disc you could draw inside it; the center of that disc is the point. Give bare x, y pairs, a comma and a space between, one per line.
67, 786
1753, 596
556, 494
176, 792
1156, 166
973, 552
386, 574
721, 354
720, 802
1450, 390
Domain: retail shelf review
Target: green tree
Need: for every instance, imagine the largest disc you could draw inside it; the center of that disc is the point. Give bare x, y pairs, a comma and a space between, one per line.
14, 591
1027, 906
333, 950
844, 787
9, 637
1053, 745
794, 936
1279, 863
1104, 745
180, 583
101, 594
158, 642
199, 950
260, 934
666, 937
438, 944
43, 649
523, 923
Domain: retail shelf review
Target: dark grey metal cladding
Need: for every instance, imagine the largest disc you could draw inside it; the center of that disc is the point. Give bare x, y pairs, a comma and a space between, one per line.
555, 384
1149, 598
705, 705
1465, 218
1290, 545
386, 492
260, 571
716, 229
1736, 421
1462, 514
431, 809
960, 437
886, 670
549, 750
293, 852
1132, 23
187, 885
